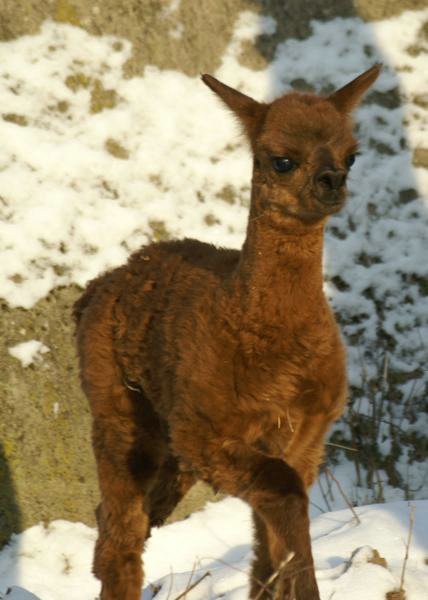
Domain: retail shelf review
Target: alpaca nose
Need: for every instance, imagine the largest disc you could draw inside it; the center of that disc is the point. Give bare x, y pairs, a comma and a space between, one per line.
330, 180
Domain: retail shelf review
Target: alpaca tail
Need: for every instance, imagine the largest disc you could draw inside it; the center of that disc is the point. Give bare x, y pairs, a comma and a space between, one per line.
85, 299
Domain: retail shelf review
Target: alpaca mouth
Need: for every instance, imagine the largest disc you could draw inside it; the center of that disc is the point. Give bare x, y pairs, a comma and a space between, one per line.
308, 214
331, 202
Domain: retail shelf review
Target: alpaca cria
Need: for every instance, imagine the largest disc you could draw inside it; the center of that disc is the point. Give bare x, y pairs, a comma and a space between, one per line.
226, 366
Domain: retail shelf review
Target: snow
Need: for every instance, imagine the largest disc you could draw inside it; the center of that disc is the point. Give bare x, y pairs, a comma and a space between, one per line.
28, 352
53, 562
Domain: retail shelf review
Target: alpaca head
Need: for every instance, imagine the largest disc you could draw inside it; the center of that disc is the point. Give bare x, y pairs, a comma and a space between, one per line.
303, 147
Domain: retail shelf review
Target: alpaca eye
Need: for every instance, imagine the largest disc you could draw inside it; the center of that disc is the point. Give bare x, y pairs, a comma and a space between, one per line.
282, 164
349, 161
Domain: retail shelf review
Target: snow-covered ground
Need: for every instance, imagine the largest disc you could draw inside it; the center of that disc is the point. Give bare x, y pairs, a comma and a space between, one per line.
92, 165
53, 562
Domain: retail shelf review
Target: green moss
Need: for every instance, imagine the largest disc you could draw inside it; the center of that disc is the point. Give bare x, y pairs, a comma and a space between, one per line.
421, 100
62, 106
112, 192
159, 231
156, 179
77, 81
102, 98
211, 219
408, 195
390, 99
420, 157
227, 194
65, 12
116, 149
301, 85
14, 118
381, 147
415, 49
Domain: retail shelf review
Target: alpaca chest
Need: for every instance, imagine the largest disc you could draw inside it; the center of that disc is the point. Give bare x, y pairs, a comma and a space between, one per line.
288, 413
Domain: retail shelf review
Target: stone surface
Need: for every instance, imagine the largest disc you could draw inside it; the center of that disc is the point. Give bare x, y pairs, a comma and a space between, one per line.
46, 465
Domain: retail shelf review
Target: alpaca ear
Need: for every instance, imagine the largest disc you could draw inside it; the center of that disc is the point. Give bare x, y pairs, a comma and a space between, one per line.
250, 112
346, 98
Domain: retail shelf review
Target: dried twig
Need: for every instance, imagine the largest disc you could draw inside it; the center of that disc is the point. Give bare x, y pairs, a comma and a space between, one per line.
409, 538
191, 587
264, 585
191, 575
322, 511
385, 370
155, 589
324, 495
235, 568
342, 446
379, 495
344, 496
274, 576
171, 581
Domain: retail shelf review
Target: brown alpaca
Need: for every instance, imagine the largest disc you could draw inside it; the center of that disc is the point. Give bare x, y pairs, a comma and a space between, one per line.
226, 366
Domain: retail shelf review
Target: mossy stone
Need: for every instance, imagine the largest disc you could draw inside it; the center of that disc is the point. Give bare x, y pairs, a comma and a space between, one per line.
116, 149
102, 98
20, 120
47, 470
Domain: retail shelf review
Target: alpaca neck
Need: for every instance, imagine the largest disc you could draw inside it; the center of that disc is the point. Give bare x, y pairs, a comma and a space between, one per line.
279, 275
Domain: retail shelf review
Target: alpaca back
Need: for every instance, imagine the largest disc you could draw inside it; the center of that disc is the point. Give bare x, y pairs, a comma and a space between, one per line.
164, 290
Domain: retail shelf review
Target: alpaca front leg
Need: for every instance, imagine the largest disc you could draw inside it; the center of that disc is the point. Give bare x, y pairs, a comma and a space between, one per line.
287, 531
292, 578
279, 499
262, 568
277, 495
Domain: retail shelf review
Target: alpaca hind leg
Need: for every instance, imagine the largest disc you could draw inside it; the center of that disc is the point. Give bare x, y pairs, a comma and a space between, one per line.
277, 494
128, 456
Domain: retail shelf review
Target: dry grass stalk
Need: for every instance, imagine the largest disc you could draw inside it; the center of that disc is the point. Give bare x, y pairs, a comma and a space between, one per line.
400, 594
409, 539
323, 492
342, 446
344, 496
274, 576
191, 587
